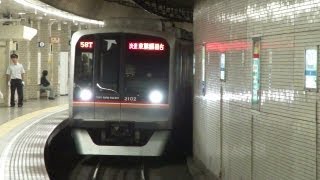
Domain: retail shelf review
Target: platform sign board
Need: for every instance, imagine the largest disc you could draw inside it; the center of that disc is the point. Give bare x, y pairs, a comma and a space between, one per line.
203, 63
311, 66
222, 67
255, 98
54, 40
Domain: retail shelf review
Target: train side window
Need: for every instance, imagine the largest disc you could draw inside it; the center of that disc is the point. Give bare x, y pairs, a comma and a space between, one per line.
108, 64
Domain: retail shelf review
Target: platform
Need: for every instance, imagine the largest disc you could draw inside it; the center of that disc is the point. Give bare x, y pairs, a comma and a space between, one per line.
9, 113
23, 135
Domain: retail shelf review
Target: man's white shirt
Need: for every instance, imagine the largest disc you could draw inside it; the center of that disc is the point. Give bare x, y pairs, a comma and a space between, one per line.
15, 71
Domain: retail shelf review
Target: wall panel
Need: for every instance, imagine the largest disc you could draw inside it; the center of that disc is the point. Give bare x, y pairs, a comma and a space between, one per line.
280, 139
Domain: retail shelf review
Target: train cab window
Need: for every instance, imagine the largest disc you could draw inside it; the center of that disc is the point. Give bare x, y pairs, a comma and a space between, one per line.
84, 69
146, 70
108, 64
86, 66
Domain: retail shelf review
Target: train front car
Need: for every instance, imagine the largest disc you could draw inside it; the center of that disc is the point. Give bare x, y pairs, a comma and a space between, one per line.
121, 93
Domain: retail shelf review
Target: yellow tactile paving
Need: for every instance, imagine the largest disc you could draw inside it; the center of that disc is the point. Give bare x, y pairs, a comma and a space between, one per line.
10, 125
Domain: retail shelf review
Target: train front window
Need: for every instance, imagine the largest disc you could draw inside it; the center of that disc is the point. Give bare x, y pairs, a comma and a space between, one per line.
108, 64
146, 70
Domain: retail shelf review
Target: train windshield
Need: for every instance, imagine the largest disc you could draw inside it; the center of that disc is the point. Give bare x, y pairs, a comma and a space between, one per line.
146, 67
108, 63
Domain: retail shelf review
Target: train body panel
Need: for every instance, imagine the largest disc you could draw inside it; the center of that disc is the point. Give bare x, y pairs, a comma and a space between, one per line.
124, 90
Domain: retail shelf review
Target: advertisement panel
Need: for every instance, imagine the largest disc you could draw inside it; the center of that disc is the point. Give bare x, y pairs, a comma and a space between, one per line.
255, 99
311, 65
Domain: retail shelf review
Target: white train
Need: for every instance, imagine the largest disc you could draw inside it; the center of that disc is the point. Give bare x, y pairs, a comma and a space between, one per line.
128, 90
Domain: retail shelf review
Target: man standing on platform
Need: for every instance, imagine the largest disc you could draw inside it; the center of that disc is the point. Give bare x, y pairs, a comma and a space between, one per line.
15, 74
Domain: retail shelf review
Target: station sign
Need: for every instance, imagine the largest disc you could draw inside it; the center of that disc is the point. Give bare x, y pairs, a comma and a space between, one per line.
223, 67
311, 66
256, 95
54, 40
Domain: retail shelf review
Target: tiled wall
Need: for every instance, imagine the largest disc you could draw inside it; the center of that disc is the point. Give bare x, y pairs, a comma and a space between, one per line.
279, 140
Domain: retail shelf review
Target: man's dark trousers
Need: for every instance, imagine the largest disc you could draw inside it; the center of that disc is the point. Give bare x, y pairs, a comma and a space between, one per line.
16, 84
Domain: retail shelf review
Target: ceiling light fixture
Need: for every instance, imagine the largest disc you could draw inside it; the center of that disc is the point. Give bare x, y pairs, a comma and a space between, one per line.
37, 5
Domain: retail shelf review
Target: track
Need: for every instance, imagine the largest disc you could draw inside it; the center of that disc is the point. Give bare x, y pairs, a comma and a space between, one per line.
109, 168
63, 163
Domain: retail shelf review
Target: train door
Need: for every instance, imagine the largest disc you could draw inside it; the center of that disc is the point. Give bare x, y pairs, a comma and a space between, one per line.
106, 79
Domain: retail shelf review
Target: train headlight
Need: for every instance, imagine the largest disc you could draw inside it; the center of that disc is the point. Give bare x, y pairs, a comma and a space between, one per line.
155, 96
85, 94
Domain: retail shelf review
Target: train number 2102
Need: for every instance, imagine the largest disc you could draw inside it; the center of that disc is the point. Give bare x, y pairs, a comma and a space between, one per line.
130, 98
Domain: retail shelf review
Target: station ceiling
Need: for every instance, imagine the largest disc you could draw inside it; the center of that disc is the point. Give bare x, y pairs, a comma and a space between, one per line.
180, 3
177, 10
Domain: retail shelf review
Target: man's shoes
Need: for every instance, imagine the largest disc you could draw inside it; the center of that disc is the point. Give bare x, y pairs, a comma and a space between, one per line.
11, 105
19, 105
51, 98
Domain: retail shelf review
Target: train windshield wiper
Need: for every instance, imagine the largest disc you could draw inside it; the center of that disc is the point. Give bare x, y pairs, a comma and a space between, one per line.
106, 89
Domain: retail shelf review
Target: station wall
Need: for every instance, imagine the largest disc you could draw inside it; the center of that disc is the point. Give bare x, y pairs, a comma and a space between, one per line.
237, 137
35, 59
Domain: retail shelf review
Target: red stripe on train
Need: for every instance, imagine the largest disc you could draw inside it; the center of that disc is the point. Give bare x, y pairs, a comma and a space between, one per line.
123, 104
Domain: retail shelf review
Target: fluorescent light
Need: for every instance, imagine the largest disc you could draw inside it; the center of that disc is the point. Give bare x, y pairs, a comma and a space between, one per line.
17, 32
37, 5
21, 13
29, 33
